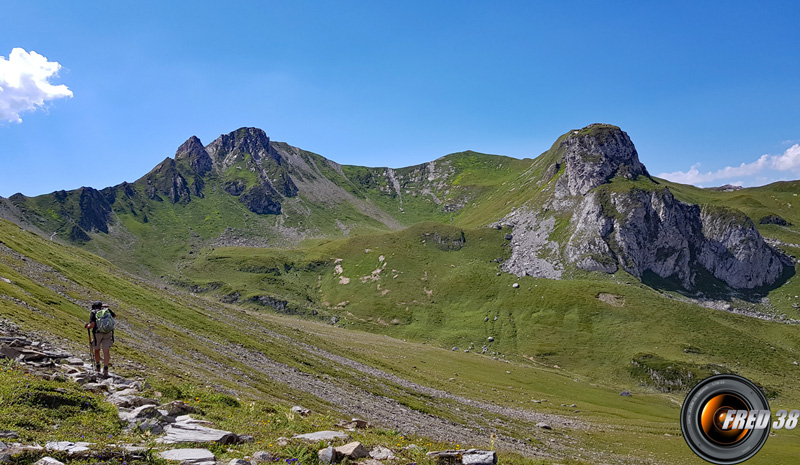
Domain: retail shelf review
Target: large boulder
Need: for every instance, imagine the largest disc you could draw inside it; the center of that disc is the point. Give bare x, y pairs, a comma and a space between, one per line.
189, 456
181, 432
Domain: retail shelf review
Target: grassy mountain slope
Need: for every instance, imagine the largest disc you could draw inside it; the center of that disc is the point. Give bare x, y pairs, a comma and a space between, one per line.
184, 342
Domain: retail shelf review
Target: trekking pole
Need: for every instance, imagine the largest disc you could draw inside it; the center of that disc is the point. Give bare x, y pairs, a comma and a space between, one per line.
91, 352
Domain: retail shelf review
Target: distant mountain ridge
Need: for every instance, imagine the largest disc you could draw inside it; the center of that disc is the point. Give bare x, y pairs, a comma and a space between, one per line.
586, 204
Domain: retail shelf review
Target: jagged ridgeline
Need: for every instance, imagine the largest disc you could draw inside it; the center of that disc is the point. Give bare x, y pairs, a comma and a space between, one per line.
587, 205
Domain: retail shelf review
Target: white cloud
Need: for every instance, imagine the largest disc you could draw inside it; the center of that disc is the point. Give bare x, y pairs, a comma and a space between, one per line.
766, 169
25, 83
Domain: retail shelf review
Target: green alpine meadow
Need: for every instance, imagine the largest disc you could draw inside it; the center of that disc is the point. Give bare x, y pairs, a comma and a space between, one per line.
553, 310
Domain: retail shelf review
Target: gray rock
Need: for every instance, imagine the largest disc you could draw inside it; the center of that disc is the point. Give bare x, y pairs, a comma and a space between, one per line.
381, 453
3, 446
353, 424
353, 451
177, 408
490, 339
260, 457
183, 432
544, 425
625, 394
5, 458
67, 446
515, 285
647, 228
189, 456
478, 457
327, 455
8, 435
48, 461
151, 425
246, 439
303, 412
238, 462
321, 436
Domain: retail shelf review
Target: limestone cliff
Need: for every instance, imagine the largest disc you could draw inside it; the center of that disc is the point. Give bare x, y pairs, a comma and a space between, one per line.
614, 216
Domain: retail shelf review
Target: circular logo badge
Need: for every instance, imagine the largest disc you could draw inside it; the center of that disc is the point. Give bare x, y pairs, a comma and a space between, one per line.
725, 419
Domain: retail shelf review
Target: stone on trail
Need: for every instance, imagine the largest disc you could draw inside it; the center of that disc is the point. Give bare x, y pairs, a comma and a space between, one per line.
48, 461
327, 455
543, 425
8, 435
3, 446
321, 436
190, 456
238, 462
67, 446
151, 425
141, 413
182, 432
353, 451
261, 457
381, 453
370, 462
177, 408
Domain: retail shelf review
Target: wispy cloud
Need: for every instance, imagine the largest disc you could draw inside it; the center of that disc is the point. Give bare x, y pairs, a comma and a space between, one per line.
25, 84
766, 169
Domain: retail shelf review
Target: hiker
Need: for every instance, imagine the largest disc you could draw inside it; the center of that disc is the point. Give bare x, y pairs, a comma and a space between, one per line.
101, 322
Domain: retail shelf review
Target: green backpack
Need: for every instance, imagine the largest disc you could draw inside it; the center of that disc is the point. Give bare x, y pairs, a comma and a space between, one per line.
105, 322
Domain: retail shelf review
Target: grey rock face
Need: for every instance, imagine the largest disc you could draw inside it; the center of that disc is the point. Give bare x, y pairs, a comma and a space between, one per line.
262, 200
193, 151
638, 229
595, 154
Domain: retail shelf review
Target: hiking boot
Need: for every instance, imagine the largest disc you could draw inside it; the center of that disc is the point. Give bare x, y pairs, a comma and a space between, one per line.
97, 367
105, 371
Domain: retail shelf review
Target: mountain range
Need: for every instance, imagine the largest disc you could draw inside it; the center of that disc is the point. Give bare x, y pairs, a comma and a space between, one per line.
586, 205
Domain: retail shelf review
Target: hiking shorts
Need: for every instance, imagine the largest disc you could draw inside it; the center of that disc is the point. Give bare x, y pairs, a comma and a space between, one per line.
103, 340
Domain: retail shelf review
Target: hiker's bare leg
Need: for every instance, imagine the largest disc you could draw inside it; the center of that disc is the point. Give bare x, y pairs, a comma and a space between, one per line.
97, 355
106, 356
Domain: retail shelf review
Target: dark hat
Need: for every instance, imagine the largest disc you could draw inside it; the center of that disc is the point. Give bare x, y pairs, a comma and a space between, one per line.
97, 304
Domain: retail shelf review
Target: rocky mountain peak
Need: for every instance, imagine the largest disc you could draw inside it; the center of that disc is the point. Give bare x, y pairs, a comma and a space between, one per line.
193, 151
595, 154
243, 142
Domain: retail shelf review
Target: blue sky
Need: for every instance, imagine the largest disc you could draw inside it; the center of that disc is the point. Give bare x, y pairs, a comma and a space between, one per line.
708, 91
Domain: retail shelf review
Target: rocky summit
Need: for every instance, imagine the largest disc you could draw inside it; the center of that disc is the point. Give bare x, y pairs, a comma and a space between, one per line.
638, 226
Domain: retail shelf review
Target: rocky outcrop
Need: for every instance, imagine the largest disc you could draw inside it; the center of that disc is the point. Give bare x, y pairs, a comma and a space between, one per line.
637, 227
594, 155
251, 148
260, 199
193, 152
165, 180
774, 219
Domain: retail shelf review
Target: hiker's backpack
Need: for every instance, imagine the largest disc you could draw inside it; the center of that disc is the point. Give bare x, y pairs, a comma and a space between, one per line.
105, 322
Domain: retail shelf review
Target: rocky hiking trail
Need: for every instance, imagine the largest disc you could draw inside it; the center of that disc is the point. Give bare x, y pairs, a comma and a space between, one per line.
174, 424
